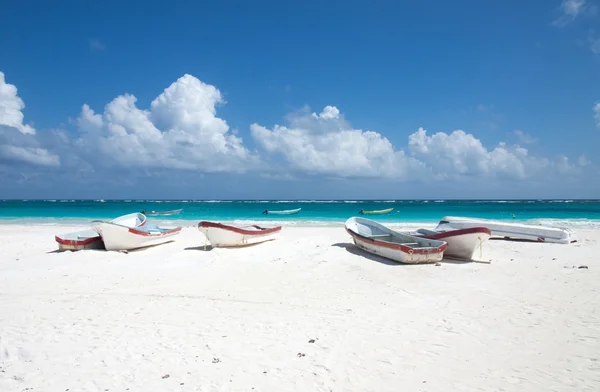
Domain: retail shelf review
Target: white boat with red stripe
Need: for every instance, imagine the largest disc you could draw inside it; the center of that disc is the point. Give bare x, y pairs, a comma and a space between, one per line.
123, 237
90, 239
462, 243
511, 230
220, 235
382, 241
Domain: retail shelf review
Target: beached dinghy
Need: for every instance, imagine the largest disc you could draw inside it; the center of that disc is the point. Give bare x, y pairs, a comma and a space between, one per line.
383, 241
283, 212
375, 212
162, 213
510, 230
90, 239
122, 237
220, 235
462, 243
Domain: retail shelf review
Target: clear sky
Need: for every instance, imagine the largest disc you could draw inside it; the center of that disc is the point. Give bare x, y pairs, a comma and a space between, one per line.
312, 99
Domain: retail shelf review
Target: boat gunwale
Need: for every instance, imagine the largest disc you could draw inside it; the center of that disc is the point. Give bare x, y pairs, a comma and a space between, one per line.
82, 242
216, 225
394, 245
452, 233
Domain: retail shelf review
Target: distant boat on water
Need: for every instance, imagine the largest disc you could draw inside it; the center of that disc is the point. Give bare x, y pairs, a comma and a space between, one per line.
375, 212
283, 212
162, 213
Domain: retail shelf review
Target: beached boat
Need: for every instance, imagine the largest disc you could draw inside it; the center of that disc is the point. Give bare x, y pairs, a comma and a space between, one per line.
283, 212
462, 243
375, 212
79, 240
90, 239
380, 240
123, 237
510, 230
162, 213
220, 235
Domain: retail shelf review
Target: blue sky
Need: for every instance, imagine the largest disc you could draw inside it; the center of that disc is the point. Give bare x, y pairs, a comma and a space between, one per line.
336, 99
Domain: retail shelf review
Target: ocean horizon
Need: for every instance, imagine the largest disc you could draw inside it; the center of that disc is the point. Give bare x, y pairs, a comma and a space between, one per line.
566, 212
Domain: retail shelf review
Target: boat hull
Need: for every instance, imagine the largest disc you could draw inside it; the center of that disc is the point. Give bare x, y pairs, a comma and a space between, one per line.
79, 240
284, 212
511, 230
378, 212
220, 235
163, 213
90, 239
118, 237
399, 247
462, 243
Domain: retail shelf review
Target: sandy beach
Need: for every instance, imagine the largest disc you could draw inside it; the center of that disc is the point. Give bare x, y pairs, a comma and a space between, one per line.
307, 312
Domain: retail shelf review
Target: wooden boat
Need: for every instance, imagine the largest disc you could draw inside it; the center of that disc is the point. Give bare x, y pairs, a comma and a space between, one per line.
462, 243
283, 212
122, 237
90, 239
380, 240
220, 235
510, 230
162, 213
375, 212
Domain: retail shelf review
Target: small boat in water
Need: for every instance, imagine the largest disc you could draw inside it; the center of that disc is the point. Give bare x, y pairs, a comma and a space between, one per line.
382, 241
375, 212
125, 237
510, 230
462, 243
162, 213
283, 212
220, 235
90, 239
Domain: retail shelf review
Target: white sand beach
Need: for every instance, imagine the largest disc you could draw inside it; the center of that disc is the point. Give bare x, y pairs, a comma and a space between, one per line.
307, 312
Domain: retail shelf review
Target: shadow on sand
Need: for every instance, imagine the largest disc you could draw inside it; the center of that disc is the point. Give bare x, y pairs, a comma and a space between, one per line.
353, 249
202, 248
350, 248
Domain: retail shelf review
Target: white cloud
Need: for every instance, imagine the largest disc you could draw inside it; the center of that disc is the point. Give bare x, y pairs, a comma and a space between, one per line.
326, 144
597, 114
570, 10
524, 137
18, 142
10, 108
180, 131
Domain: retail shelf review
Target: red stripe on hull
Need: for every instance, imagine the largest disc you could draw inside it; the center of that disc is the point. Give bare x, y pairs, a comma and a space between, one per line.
259, 232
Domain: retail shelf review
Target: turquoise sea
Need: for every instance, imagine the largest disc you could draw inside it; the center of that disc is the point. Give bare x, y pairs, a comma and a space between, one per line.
568, 212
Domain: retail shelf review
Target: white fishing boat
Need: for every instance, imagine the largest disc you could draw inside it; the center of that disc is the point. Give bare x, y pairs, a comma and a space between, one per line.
375, 212
90, 239
161, 213
220, 235
380, 240
282, 212
462, 243
510, 230
125, 237
79, 240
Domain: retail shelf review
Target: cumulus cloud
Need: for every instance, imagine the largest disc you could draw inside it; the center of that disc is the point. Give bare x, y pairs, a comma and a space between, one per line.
18, 142
597, 114
462, 154
326, 143
179, 131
